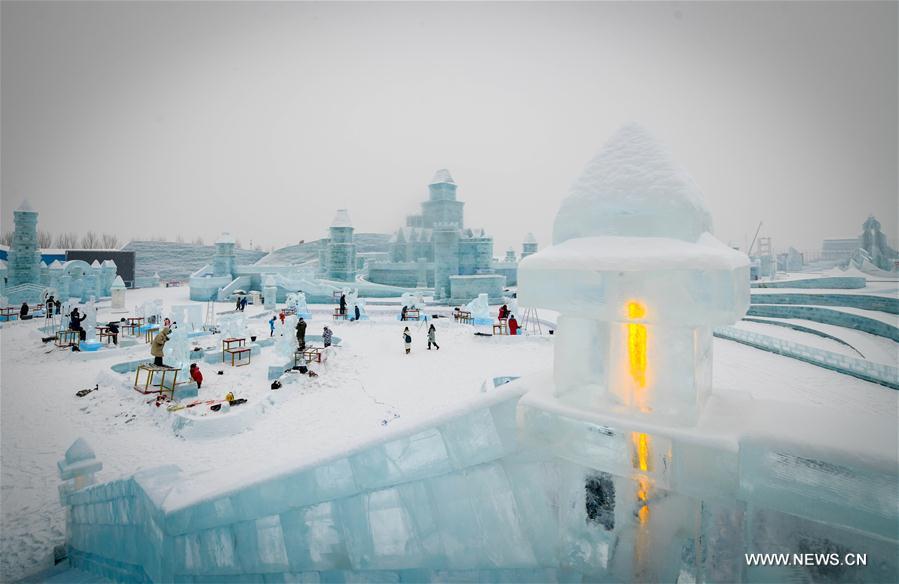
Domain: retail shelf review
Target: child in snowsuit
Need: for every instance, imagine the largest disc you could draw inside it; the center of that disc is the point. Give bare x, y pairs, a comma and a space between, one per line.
326, 336
196, 374
513, 325
432, 337
407, 339
271, 326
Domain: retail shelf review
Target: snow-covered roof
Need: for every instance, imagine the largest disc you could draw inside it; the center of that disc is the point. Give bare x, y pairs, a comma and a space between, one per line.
636, 254
341, 219
225, 238
442, 176
633, 187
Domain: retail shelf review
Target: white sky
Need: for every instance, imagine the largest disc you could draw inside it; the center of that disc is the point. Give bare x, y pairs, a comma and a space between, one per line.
262, 119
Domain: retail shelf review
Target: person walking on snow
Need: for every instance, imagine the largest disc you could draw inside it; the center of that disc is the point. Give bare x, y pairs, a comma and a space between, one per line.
356, 310
343, 304
326, 336
301, 334
282, 316
271, 325
196, 374
158, 344
432, 337
407, 339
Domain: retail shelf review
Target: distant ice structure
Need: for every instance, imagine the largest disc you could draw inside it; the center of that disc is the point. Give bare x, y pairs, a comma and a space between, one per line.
614, 467
297, 302
117, 291
480, 310
188, 316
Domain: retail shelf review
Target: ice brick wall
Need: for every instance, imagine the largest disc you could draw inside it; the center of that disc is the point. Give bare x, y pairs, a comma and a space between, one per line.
439, 498
865, 301
863, 369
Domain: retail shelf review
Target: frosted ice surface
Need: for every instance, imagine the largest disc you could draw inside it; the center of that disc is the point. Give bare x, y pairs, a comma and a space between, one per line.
442, 176
79, 450
342, 219
632, 187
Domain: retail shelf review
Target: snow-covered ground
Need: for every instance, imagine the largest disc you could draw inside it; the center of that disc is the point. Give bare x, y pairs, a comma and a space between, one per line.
368, 379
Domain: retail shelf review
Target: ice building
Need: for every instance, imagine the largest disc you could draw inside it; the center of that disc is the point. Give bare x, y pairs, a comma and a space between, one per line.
27, 277
874, 242
337, 270
529, 246
616, 465
435, 249
337, 253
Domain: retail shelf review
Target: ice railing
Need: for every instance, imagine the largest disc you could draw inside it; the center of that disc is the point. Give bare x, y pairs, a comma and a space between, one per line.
863, 369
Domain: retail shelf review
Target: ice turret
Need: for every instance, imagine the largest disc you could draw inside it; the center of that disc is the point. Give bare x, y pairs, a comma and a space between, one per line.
639, 280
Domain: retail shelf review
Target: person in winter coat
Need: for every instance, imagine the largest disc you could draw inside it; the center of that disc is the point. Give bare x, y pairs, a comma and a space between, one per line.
503, 312
75, 319
23, 312
343, 304
301, 334
58, 306
282, 316
113, 327
326, 336
48, 307
432, 337
271, 325
196, 374
407, 339
158, 344
403, 313
356, 311
513, 325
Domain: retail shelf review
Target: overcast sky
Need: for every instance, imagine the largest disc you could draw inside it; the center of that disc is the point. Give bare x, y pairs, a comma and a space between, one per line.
262, 119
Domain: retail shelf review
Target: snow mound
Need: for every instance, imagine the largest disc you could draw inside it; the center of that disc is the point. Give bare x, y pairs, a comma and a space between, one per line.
633, 187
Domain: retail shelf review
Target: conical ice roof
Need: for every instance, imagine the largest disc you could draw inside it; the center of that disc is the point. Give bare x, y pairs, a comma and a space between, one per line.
341, 219
632, 187
442, 176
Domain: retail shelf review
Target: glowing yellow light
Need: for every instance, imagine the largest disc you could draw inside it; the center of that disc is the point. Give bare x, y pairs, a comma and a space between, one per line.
636, 345
641, 450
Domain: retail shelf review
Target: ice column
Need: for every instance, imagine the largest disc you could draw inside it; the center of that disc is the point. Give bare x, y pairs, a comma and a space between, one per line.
77, 468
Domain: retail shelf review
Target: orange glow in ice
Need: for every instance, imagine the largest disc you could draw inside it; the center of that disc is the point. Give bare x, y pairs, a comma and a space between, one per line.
641, 451
636, 349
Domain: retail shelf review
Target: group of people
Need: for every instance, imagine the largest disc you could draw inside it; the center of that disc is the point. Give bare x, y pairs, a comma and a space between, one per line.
511, 322
241, 303
356, 312
432, 338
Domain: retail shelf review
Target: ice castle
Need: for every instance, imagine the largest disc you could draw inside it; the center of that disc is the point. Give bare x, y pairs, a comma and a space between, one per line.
620, 464
25, 278
337, 271
436, 250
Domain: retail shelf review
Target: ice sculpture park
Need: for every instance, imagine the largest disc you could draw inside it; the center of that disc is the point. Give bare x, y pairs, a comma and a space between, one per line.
634, 444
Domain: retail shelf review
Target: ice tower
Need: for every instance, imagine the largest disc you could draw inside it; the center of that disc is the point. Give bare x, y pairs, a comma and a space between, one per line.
529, 246
341, 249
24, 260
442, 206
636, 277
